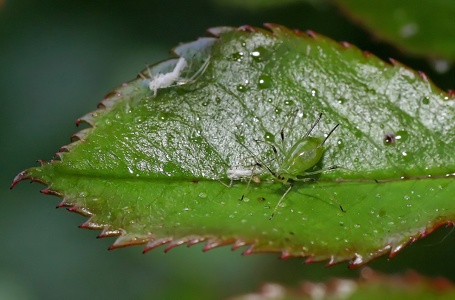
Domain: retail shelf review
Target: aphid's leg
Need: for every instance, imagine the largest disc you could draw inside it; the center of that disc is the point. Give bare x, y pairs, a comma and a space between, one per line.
279, 202
259, 161
329, 168
285, 193
249, 180
227, 185
274, 148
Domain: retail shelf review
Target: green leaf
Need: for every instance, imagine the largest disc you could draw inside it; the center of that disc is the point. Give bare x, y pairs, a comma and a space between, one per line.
153, 169
422, 28
371, 285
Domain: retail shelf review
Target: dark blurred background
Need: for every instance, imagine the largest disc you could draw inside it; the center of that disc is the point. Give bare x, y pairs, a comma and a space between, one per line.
57, 60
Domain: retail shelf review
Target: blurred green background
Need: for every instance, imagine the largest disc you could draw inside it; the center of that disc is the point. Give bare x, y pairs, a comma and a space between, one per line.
57, 60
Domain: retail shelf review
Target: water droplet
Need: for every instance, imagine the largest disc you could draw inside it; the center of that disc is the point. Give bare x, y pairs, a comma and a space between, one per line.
241, 138
204, 103
340, 144
241, 88
237, 56
314, 92
269, 100
278, 110
186, 209
264, 82
202, 195
217, 99
342, 101
255, 53
409, 205
196, 139
269, 137
164, 116
356, 225
259, 54
406, 197
288, 102
402, 135
426, 100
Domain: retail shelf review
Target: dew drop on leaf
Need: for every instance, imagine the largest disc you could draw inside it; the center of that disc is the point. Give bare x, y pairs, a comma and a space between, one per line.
264, 82
269, 137
241, 88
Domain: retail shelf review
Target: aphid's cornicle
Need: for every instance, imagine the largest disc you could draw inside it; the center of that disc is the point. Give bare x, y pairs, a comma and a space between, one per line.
302, 156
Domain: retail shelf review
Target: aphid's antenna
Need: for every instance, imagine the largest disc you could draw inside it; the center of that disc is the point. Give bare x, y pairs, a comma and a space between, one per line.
197, 73
331, 131
292, 117
314, 125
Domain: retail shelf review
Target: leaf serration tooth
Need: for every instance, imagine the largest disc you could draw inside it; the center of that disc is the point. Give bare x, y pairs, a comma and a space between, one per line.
155, 243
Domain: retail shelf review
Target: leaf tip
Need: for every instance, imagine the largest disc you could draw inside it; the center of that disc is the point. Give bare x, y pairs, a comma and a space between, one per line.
423, 75
24, 175
311, 33
247, 28
345, 44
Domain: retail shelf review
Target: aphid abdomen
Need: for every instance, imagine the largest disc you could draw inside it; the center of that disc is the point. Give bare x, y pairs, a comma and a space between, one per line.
302, 156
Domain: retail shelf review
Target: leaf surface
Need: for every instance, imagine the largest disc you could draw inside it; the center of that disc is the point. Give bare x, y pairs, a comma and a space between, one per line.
423, 28
154, 169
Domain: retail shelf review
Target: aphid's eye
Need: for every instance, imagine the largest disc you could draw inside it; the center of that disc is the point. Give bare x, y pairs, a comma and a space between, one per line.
389, 139
261, 199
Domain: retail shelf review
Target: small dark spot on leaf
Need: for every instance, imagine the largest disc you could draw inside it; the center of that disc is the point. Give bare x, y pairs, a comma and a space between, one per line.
389, 139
